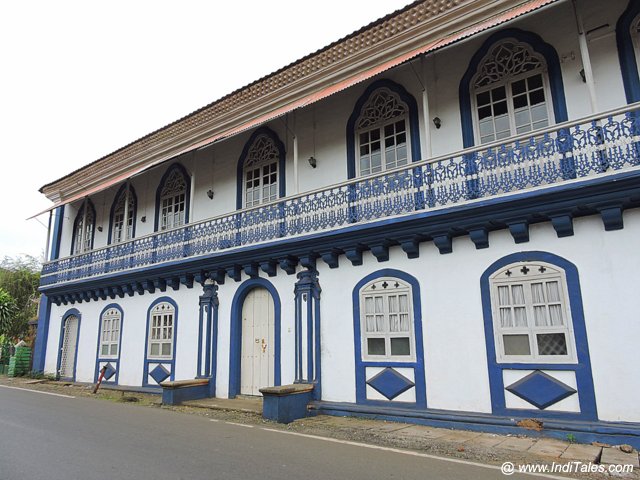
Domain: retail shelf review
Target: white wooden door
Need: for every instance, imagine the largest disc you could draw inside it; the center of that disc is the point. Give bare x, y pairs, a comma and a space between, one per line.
69, 342
258, 342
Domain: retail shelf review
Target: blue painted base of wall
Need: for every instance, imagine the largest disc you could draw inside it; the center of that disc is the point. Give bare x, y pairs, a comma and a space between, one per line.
613, 433
284, 405
175, 396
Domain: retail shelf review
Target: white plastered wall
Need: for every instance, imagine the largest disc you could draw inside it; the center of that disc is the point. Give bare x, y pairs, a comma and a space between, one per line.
453, 330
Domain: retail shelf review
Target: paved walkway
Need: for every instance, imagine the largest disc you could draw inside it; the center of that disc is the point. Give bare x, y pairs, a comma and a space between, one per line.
546, 448
240, 404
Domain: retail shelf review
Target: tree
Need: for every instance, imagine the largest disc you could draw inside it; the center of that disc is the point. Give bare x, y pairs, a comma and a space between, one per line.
19, 280
7, 313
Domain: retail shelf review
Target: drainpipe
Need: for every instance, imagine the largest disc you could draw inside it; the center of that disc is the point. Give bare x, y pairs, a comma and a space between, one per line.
586, 59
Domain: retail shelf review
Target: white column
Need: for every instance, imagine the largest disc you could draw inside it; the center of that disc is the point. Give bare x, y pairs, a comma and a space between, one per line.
425, 109
84, 225
125, 225
296, 185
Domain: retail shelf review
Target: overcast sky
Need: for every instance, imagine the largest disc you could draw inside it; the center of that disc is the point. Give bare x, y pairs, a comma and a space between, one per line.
80, 79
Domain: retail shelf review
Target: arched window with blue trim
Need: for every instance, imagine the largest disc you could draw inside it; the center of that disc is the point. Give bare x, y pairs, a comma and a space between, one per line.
84, 228
260, 172
382, 135
537, 346
388, 345
382, 131
510, 92
123, 215
172, 198
513, 85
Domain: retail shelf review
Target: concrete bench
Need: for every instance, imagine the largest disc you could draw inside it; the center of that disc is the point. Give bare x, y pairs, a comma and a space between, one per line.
177, 391
286, 403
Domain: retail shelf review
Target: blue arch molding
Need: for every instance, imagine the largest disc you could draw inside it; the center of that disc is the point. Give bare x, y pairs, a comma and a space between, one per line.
281, 163
187, 196
79, 217
236, 332
626, 52
414, 126
121, 191
539, 46
67, 314
111, 360
418, 365
154, 361
582, 369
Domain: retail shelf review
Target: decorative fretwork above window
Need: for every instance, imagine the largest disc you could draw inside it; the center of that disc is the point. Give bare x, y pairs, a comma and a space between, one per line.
263, 150
505, 60
175, 184
382, 106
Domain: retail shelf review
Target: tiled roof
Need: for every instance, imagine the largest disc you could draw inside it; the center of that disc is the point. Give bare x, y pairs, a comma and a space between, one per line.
349, 46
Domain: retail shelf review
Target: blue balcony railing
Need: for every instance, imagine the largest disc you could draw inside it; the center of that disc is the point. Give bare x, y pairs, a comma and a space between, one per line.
597, 145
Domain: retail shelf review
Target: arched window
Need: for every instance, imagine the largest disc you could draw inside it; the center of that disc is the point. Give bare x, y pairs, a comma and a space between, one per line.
123, 215
260, 172
161, 331
110, 333
172, 198
531, 314
83, 228
382, 133
386, 320
510, 92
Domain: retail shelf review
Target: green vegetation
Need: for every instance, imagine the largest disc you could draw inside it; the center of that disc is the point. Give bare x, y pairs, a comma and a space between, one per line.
19, 280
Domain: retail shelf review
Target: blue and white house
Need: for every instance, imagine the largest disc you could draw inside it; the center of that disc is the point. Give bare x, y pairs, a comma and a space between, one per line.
434, 219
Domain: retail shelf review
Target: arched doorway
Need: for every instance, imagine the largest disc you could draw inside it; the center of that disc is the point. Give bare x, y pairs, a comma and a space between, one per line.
255, 315
258, 342
68, 347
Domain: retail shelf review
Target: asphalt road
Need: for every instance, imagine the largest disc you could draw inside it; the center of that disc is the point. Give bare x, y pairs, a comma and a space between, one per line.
50, 437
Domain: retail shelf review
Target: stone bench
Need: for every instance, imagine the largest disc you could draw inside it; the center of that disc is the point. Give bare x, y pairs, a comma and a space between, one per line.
177, 391
286, 403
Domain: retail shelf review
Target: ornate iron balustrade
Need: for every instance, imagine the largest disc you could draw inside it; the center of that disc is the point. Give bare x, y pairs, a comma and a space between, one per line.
592, 146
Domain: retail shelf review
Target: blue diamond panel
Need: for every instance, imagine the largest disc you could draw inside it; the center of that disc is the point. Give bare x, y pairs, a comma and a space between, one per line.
390, 383
540, 389
109, 372
159, 374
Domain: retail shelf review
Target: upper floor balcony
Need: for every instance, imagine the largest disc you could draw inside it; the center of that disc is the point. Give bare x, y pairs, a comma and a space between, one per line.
566, 154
